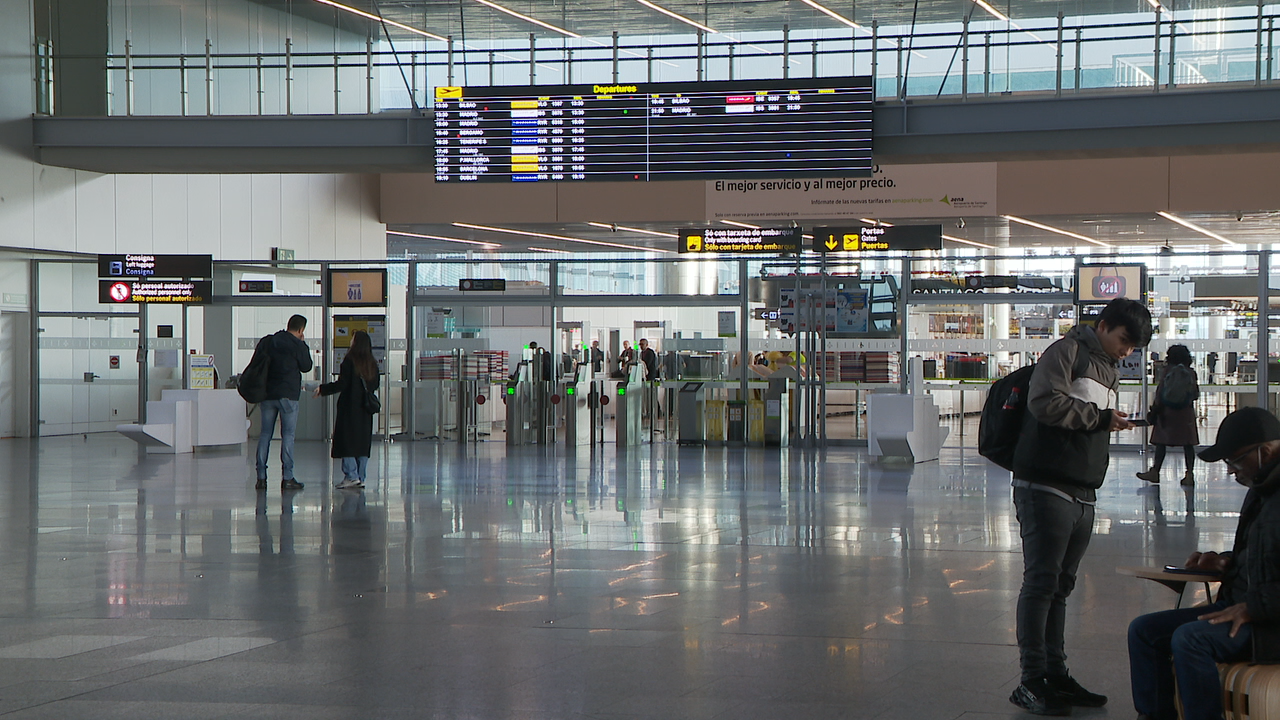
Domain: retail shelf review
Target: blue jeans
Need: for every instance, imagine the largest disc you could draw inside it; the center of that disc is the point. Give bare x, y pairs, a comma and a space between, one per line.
1055, 533
1161, 642
354, 467
287, 411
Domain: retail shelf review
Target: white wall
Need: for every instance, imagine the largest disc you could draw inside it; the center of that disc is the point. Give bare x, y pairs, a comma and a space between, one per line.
234, 217
241, 28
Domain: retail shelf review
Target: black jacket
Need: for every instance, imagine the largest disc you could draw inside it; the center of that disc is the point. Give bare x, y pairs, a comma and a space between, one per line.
1253, 576
1066, 435
352, 427
290, 357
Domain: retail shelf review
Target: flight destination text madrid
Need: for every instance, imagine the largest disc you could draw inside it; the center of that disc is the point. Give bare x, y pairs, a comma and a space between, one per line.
654, 131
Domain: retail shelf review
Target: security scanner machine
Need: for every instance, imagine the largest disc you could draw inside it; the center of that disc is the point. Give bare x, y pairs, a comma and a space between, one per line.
579, 416
905, 425
777, 412
630, 399
693, 411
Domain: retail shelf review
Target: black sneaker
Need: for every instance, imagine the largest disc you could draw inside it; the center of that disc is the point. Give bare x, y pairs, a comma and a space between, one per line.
1069, 690
291, 484
1036, 697
262, 484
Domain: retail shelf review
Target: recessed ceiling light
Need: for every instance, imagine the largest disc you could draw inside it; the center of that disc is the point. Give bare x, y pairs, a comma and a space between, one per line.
528, 19
371, 16
677, 16
487, 245
1060, 231
565, 238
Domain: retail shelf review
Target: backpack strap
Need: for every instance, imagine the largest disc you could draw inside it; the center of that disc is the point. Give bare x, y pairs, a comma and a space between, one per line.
1082, 361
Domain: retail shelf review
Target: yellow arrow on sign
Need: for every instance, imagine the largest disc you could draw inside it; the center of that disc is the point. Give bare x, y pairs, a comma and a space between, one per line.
831, 243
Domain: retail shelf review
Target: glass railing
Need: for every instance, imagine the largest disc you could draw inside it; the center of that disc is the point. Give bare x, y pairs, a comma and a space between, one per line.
1149, 52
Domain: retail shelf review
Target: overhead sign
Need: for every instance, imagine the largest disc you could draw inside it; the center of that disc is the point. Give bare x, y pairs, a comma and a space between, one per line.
257, 286
358, 288
491, 285
155, 266
1103, 283
877, 238
187, 292
904, 191
741, 240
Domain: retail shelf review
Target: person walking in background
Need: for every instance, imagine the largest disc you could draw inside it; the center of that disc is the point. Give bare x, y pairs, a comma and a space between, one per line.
353, 425
1173, 414
650, 360
290, 357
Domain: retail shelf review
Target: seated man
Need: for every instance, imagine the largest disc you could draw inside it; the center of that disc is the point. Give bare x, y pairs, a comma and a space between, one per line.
1244, 623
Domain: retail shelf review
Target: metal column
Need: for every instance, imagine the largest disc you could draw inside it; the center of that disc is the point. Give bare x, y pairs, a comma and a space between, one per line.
1264, 327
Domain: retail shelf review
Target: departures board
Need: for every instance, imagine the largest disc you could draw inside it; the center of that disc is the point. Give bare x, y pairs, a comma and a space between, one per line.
654, 131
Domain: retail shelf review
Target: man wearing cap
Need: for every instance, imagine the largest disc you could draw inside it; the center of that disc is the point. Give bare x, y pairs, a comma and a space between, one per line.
1244, 623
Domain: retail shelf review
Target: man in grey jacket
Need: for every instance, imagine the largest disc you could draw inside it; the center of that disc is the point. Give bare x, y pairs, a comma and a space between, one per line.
1060, 461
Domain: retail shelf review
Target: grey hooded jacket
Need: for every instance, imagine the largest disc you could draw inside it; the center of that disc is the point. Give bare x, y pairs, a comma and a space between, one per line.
1065, 440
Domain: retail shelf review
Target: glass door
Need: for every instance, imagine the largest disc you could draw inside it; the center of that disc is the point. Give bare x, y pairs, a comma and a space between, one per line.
88, 372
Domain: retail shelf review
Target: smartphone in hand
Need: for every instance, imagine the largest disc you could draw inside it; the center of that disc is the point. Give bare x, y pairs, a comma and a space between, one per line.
1140, 422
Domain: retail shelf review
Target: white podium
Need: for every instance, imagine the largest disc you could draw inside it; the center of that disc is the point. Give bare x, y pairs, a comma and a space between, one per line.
904, 426
182, 420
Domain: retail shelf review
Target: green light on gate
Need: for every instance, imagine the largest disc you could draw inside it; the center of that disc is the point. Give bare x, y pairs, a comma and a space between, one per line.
570, 391
622, 390
511, 391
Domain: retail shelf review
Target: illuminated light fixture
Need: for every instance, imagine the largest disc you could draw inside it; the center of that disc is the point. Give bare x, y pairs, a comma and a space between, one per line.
835, 15
375, 18
1192, 226
549, 250
1155, 5
741, 224
562, 238
677, 16
870, 221
968, 242
1068, 233
642, 231
528, 19
999, 15
486, 245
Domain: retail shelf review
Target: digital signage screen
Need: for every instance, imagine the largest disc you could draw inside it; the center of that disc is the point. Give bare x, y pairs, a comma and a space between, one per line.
812, 127
358, 287
1100, 284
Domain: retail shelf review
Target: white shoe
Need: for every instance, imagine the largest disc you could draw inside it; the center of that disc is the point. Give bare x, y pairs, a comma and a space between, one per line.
350, 484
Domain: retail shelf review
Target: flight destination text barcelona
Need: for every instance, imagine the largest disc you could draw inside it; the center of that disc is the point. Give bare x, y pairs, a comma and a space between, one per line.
654, 131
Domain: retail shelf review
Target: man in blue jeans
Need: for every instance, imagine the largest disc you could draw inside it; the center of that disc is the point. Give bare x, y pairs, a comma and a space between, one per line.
290, 357
1244, 623
1060, 462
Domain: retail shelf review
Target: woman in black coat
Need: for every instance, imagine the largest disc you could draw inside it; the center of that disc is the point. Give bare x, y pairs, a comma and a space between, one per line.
353, 426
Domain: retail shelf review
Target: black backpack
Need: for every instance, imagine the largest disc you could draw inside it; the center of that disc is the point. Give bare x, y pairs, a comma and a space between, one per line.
1000, 424
1178, 388
253, 381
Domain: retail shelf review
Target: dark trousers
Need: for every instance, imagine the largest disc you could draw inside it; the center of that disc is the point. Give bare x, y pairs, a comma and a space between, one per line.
1161, 642
1188, 454
1055, 534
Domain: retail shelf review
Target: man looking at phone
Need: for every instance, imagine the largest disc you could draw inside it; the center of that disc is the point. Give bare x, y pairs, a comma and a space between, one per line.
1060, 462
1244, 623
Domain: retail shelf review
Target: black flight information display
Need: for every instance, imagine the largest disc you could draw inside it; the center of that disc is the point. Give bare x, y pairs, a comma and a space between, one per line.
654, 131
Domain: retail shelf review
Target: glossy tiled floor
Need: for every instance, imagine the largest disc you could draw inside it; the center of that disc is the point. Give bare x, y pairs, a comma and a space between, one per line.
664, 582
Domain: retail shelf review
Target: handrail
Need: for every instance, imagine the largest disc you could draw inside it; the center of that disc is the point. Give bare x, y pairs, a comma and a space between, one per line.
1124, 65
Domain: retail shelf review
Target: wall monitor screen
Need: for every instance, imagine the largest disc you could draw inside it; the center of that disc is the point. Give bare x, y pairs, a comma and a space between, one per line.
654, 131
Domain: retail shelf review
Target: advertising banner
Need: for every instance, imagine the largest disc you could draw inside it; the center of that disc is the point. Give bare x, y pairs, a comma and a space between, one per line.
898, 191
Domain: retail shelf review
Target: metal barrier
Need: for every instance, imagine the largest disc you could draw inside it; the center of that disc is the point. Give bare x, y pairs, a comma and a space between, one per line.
1033, 56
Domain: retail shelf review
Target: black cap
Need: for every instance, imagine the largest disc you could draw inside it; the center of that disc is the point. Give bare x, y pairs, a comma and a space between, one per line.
1242, 428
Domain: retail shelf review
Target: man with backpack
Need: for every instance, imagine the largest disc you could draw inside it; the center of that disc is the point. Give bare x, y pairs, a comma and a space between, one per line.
289, 357
1060, 461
